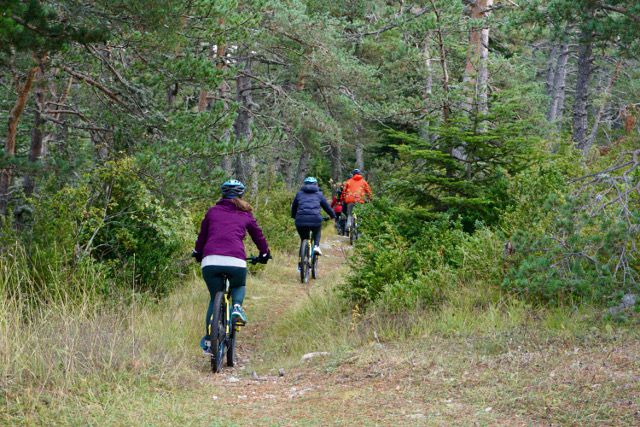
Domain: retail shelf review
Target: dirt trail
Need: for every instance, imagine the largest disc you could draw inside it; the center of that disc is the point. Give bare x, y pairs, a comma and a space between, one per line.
284, 291
274, 398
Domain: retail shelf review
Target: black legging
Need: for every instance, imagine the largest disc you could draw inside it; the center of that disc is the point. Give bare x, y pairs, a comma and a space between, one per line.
214, 276
303, 232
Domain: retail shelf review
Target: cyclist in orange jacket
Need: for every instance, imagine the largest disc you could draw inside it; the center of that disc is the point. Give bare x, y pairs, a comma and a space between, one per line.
356, 190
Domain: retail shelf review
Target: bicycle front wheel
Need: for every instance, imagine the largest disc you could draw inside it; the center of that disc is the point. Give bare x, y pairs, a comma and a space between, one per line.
218, 332
231, 348
314, 266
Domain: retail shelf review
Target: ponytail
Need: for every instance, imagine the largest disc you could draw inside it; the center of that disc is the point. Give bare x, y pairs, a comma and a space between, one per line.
241, 204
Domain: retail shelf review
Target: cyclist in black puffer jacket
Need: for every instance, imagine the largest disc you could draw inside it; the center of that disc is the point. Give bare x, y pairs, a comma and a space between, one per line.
305, 209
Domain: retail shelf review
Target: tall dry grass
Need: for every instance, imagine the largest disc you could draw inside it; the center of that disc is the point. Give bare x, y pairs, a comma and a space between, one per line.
59, 345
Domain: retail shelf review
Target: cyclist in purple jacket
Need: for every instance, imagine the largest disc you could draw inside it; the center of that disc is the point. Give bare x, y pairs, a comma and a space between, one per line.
220, 247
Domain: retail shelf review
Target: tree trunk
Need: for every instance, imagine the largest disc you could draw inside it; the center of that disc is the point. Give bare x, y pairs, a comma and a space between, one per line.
303, 163
551, 70
336, 162
102, 143
35, 151
478, 48
360, 156
446, 106
6, 175
227, 165
483, 75
607, 93
557, 90
580, 119
172, 92
287, 171
223, 93
60, 135
244, 119
203, 98
428, 87
254, 175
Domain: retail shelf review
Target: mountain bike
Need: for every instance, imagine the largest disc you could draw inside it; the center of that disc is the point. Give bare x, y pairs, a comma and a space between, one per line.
223, 329
308, 261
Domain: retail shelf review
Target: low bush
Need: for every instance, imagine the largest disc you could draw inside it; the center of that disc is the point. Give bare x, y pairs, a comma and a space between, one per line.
578, 256
574, 231
107, 232
409, 258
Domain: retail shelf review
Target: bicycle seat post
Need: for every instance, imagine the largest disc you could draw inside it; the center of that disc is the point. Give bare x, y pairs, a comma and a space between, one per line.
226, 284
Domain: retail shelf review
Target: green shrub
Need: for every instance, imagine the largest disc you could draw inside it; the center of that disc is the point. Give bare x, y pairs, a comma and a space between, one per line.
110, 223
578, 256
574, 239
400, 253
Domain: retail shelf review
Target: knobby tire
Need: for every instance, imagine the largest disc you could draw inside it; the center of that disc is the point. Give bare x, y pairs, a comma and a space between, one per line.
304, 261
218, 332
231, 350
314, 265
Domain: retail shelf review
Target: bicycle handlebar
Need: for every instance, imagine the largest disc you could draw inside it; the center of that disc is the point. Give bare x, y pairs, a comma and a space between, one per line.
256, 259
252, 259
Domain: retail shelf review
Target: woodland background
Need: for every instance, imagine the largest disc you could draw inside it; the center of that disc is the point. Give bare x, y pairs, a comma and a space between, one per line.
500, 138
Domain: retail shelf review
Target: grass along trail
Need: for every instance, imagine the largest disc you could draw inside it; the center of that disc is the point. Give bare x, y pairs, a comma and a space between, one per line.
463, 364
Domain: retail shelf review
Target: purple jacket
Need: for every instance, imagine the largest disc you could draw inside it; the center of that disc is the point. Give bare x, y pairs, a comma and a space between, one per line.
223, 230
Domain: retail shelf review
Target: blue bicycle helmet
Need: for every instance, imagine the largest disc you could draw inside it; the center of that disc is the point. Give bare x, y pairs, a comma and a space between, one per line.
355, 171
310, 180
232, 189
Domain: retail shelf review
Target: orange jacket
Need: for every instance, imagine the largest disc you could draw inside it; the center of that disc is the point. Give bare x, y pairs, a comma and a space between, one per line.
355, 189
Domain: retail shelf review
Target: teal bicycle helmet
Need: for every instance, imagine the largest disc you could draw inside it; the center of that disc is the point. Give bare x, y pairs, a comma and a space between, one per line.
232, 189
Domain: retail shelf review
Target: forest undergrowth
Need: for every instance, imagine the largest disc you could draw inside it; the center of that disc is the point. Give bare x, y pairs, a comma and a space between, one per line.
480, 357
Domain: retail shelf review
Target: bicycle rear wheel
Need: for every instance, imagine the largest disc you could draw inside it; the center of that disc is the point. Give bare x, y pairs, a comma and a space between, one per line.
218, 332
303, 246
304, 261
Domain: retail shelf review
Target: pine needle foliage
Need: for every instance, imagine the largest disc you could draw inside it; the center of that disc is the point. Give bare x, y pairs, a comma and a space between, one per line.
463, 171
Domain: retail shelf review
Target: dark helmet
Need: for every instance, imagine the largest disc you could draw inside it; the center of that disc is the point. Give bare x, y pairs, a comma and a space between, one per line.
232, 189
310, 180
355, 172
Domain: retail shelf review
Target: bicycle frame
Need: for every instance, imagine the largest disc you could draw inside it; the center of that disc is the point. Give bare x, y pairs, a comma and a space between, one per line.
310, 243
228, 304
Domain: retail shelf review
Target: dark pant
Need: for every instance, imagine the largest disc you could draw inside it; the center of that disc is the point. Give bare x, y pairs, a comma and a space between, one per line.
303, 232
214, 276
341, 220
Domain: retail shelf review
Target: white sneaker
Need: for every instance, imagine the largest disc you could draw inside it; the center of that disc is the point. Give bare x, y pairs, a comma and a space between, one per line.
316, 250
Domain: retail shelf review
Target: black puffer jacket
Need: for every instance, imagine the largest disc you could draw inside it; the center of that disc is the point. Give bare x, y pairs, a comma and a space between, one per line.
306, 206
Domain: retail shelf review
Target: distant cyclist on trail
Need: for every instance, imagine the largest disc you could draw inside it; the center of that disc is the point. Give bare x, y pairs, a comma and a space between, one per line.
356, 190
336, 205
220, 248
305, 209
